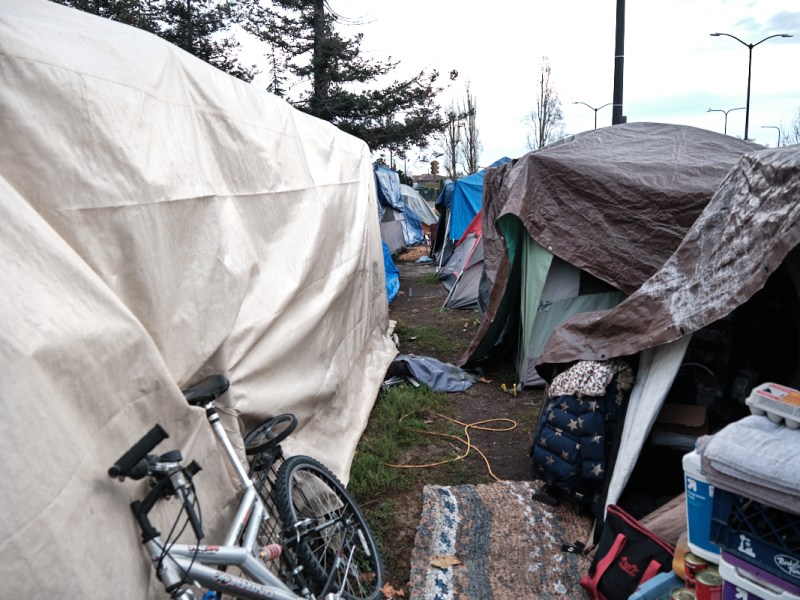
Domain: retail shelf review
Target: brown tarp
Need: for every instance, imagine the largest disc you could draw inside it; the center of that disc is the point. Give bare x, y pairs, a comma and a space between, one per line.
615, 202
743, 235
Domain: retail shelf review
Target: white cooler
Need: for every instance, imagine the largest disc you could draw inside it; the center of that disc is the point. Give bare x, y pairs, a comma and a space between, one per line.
699, 504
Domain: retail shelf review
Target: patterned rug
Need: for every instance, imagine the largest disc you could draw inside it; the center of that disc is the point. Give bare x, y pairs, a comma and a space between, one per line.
493, 542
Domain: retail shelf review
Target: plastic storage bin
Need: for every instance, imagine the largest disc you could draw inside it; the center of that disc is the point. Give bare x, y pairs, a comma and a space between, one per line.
742, 581
659, 587
699, 506
778, 402
758, 534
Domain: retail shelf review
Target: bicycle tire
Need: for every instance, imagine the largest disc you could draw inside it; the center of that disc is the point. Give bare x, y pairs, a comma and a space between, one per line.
346, 536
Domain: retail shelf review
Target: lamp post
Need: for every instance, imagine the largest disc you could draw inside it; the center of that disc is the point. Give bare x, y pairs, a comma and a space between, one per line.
596, 109
726, 114
774, 127
750, 70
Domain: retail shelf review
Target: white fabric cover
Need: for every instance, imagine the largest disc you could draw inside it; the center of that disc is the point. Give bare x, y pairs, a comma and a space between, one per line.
657, 369
414, 200
161, 221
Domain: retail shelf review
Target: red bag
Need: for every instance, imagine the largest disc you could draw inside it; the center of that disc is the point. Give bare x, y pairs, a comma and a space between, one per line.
628, 554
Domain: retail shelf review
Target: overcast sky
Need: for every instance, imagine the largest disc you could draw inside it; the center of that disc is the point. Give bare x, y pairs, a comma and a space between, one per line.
674, 71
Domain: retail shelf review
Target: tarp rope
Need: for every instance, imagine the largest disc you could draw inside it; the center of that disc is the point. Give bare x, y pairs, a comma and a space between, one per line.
478, 425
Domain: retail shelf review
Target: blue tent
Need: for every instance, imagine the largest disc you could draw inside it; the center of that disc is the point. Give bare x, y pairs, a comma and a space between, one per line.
463, 200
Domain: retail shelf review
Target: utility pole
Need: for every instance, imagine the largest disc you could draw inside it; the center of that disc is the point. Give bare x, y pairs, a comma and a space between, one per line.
619, 59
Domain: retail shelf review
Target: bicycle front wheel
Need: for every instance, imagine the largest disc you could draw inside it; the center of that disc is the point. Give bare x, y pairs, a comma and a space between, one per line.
336, 543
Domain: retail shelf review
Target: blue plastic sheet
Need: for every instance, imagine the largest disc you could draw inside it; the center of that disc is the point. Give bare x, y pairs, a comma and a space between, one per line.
392, 274
412, 228
437, 375
467, 200
387, 183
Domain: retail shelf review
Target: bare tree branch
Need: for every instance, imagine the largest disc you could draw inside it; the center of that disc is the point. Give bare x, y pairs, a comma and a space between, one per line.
791, 135
470, 143
546, 120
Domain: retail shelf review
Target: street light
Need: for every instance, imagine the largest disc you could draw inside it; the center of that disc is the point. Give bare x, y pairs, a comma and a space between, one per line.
774, 127
726, 114
596, 109
750, 69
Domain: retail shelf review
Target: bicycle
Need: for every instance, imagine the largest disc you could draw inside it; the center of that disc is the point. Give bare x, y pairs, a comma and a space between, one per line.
321, 547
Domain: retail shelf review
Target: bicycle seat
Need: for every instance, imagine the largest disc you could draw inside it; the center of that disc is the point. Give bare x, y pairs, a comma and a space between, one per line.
205, 391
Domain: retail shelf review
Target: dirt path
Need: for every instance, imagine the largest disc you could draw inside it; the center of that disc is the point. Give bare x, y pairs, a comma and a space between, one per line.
418, 307
419, 304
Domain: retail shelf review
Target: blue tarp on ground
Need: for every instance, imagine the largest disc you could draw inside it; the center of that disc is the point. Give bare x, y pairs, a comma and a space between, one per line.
437, 375
464, 199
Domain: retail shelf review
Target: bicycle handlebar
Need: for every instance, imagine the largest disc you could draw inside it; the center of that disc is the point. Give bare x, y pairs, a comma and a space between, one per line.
133, 463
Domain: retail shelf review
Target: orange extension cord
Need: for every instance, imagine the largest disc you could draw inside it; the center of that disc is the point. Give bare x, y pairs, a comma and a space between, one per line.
467, 426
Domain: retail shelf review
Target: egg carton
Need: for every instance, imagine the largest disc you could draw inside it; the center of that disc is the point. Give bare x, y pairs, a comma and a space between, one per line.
779, 403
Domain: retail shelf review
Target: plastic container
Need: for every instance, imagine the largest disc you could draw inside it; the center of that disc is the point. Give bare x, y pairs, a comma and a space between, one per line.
779, 403
746, 582
699, 507
659, 587
758, 534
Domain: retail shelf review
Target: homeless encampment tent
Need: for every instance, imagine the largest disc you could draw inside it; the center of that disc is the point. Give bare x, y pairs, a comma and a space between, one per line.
413, 200
461, 274
577, 226
162, 221
735, 275
400, 225
458, 203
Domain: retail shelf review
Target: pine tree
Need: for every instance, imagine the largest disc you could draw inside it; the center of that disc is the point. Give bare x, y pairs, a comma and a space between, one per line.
396, 117
197, 26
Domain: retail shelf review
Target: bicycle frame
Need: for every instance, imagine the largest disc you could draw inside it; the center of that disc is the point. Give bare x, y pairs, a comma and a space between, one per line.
183, 561
178, 564
194, 562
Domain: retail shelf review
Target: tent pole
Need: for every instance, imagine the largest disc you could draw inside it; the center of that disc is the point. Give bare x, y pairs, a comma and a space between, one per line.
444, 241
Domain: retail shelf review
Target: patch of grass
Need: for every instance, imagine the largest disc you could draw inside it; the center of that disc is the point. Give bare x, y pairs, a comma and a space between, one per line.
429, 278
427, 337
395, 425
400, 431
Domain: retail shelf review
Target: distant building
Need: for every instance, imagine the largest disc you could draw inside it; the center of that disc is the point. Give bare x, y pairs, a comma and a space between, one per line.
429, 185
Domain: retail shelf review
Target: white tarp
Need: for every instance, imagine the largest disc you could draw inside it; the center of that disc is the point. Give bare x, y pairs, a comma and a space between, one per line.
162, 220
414, 200
657, 369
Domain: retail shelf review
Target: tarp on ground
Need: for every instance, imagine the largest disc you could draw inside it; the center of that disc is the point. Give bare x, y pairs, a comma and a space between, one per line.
162, 220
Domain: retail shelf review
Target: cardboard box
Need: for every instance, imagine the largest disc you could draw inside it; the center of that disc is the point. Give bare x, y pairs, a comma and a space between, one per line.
683, 418
679, 425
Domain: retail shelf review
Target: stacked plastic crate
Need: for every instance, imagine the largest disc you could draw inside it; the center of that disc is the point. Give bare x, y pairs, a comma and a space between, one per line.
753, 538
